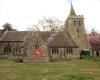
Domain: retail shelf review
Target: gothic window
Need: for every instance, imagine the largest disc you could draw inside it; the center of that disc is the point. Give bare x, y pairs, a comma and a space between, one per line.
17, 49
25, 51
7, 48
36, 46
77, 29
68, 50
20, 49
55, 50
79, 23
74, 23
78, 32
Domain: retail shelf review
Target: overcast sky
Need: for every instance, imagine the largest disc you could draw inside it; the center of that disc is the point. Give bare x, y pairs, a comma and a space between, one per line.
24, 13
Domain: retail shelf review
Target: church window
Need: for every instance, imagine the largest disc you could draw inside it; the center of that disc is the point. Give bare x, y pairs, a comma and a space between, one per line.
55, 50
71, 50
36, 46
7, 48
74, 23
68, 50
79, 23
78, 32
77, 29
17, 49
20, 49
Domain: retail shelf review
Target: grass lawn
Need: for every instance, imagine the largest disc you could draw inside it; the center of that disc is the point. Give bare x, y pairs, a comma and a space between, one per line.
85, 69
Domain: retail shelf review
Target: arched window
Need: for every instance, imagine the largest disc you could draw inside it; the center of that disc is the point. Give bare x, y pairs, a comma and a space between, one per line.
66, 50
36, 46
71, 50
78, 30
79, 23
7, 48
55, 50
74, 23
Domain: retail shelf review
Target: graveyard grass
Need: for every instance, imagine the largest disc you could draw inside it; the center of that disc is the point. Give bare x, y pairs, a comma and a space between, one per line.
84, 69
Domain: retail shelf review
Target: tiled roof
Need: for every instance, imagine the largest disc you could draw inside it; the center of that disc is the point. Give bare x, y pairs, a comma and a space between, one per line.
61, 40
14, 35
45, 35
58, 39
20, 35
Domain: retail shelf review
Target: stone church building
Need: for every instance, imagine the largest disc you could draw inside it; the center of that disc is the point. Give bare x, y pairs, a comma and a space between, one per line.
56, 45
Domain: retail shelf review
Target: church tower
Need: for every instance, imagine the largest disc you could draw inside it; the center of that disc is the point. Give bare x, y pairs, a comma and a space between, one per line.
74, 25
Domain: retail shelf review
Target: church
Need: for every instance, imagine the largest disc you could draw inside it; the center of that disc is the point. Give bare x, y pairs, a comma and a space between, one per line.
66, 44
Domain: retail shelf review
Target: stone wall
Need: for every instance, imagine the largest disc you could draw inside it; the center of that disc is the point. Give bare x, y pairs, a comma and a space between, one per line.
64, 55
35, 40
15, 49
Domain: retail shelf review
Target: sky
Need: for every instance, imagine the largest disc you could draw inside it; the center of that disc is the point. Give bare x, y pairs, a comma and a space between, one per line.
25, 13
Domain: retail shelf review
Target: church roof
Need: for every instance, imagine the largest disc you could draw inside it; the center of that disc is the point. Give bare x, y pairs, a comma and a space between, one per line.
72, 11
20, 35
61, 40
45, 34
53, 39
14, 36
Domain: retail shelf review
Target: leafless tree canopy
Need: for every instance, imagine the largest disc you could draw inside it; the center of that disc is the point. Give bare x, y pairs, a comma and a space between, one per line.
47, 24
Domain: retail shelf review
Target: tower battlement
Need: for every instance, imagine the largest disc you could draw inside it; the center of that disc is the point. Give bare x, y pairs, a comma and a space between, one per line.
77, 16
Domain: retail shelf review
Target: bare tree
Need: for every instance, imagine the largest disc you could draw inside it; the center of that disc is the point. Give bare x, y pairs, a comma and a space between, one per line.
51, 24
33, 28
48, 24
